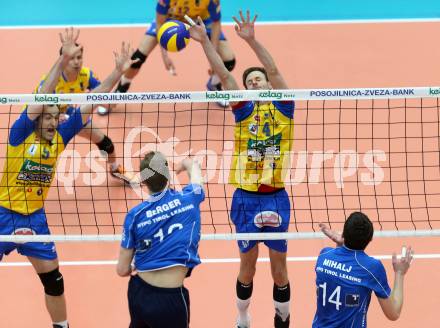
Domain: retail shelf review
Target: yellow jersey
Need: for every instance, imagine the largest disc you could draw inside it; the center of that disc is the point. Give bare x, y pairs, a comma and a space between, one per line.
85, 81
263, 139
31, 162
177, 9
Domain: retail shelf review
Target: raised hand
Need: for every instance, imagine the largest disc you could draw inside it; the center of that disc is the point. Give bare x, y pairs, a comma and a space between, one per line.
123, 60
198, 31
184, 165
402, 265
169, 65
245, 27
69, 43
333, 235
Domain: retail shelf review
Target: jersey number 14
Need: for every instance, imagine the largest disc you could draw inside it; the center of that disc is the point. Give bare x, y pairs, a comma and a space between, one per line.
334, 298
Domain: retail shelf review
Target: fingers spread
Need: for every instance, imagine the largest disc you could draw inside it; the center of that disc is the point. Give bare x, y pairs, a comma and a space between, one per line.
236, 20
241, 16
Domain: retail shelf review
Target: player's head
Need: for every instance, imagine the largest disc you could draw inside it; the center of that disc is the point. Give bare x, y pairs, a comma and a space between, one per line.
358, 231
255, 78
154, 171
76, 62
48, 122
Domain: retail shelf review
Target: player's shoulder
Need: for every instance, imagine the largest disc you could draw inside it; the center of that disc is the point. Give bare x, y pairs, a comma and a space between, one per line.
163, 3
85, 71
326, 250
369, 263
248, 104
43, 77
191, 188
283, 103
211, 2
139, 209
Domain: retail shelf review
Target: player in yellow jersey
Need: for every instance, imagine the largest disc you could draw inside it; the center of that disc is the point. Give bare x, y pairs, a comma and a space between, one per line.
35, 141
209, 11
263, 140
76, 78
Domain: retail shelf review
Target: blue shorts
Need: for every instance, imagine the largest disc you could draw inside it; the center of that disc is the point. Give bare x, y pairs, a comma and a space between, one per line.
34, 224
257, 212
152, 32
155, 307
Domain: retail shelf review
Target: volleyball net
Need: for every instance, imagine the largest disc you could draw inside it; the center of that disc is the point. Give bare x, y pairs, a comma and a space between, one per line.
372, 150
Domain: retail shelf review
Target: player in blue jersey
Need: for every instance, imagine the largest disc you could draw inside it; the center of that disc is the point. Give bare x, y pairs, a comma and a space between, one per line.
162, 236
346, 276
35, 142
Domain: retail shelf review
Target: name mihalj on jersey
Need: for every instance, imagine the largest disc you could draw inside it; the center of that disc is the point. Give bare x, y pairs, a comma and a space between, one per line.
336, 265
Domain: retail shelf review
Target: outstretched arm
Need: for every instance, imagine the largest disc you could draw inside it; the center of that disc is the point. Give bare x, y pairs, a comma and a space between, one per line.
333, 235
169, 65
216, 30
245, 29
123, 62
193, 170
392, 306
69, 49
198, 33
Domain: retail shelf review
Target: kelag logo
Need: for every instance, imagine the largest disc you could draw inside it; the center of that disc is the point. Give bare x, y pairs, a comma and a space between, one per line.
48, 99
217, 95
270, 94
434, 92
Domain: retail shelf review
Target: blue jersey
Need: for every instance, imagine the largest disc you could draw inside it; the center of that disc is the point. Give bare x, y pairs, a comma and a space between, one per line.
345, 279
165, 232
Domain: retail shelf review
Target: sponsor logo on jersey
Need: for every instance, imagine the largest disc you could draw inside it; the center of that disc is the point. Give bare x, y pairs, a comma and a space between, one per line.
33, 149
352, 300
45, 153
35, 172
143, 245
253, 128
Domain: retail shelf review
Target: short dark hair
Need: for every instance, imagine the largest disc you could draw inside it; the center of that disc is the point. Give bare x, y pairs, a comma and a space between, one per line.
154, 171
76, 44
253, 69
358, 231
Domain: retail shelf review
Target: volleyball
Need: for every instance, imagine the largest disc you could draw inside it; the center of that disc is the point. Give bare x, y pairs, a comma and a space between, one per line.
173, 35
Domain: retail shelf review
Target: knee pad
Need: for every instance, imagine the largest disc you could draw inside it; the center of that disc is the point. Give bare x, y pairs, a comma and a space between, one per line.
53, 282
140, 57
230, 64
106, 145
243, 291
281, 294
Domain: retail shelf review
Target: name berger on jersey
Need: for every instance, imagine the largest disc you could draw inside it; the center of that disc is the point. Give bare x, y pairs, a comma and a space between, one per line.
164, 209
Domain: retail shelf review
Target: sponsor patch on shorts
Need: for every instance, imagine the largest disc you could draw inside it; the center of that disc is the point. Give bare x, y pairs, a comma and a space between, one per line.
267, 219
